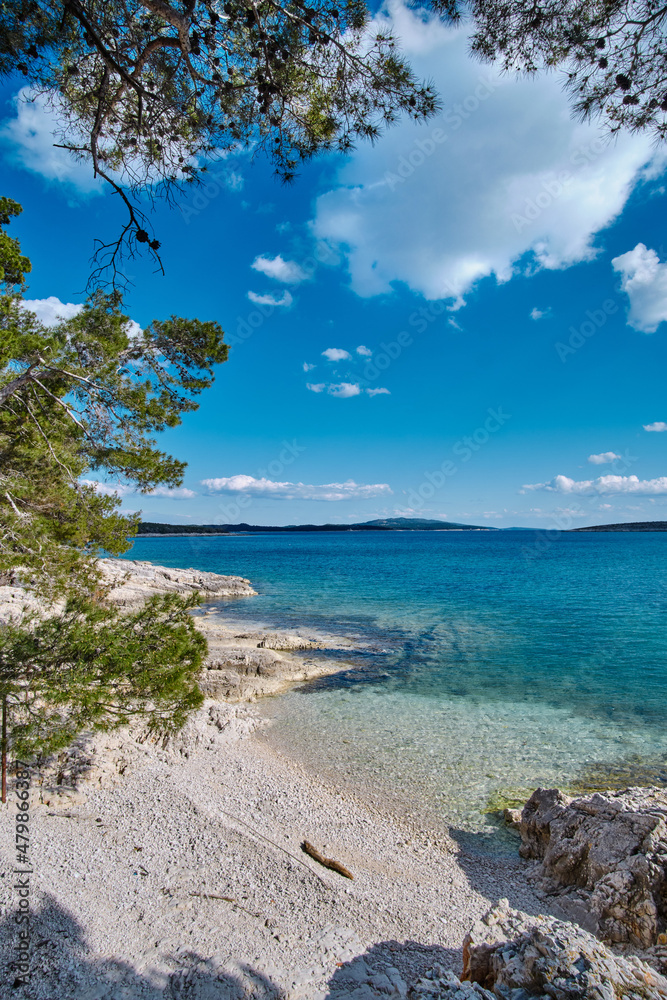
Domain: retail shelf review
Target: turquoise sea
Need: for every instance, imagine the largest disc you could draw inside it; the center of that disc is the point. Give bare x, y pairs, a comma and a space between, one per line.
493, 662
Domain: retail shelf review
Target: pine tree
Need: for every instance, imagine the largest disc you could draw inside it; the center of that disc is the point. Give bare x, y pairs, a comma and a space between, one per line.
149, 91
612, 53
80, 400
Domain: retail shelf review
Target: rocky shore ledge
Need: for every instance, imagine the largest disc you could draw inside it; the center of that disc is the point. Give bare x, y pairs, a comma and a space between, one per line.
242, 665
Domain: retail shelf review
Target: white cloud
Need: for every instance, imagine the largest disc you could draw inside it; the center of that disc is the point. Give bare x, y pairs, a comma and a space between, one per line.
603, 458
364, 351
251, 486
658, 426
234, 181
503, 171
336, 354
536, 313
307, 367
51, 310
604, 486
271, 300
287, 271
644, 279
344, 390
179, 493
124, 490
378, 392
133, 329
30, 137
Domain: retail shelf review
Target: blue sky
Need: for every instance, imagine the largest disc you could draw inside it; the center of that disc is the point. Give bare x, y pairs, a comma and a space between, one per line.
500, 268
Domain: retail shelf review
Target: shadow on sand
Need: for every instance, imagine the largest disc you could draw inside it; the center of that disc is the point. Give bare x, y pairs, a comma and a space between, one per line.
61, 967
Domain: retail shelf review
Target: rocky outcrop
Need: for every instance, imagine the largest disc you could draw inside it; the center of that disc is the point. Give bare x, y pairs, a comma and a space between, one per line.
133, 582
604, 859
240, 666
237, 670
513, 956
136, 581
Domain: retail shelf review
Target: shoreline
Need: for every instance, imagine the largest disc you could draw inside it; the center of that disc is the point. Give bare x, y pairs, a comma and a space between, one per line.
196, 844
197, 847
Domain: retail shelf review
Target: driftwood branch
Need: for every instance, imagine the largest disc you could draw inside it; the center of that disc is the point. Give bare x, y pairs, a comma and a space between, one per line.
335, 866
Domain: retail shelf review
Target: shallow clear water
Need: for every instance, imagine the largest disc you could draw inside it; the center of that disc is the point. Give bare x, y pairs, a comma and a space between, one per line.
496, 661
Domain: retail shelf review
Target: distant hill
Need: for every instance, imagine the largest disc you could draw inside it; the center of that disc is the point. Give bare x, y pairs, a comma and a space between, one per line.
629, 526
383, 524
416, 524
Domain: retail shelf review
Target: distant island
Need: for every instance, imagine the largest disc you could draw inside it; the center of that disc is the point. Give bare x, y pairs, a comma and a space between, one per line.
629, 526
382, 524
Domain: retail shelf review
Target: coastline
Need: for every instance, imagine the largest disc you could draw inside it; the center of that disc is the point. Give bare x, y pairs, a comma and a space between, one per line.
196, 845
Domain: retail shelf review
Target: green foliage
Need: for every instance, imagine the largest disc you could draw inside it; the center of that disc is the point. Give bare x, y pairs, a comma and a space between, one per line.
82, 398
85, 398
92, 668
613, 52
148, 90
13, 265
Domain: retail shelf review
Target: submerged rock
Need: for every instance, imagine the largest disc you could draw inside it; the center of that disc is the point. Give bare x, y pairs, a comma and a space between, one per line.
604, 856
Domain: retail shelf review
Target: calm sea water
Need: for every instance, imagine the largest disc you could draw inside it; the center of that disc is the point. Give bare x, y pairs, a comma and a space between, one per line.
493, 662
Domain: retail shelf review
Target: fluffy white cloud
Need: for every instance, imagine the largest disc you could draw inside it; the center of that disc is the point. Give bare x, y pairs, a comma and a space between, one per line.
123, 490
603, 458
109, 489
287, 271
604, 486
307, 367
177, 493
51, 310
343, 390
364, 351
658, 426
251, 486
378, 392
538, 313
271, 300
336, 354
30, 138
644, 279
505, 170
